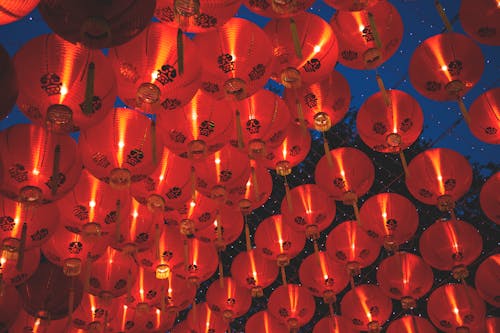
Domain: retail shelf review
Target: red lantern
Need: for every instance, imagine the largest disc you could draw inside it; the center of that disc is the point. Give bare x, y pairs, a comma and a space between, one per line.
157, 321
234, 63
93, 312
127, 320
10, 306
225, 297
8, 83
15, 10
148, 70
489, 198
390, 218
123, 148
145, 293
485, 116
263, 322
305, 54
481, 20
410, 324
351, 5
487, 282
96, 24
9, 275
202, 319
492, 324
65, 86
276, 8
451, 245
367, 307
24, 322
179, 295
456, 308
406, 277
335, 324
199, 263
229, 230
292, 305
369, 37
39, 166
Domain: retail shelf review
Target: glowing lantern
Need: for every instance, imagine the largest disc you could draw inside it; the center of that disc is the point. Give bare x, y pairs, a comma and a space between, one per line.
96, 24
10, 306
199, 261
456, 308
237, 59
226, 228
202, 319
263, 322
127, 320
39, 166
123, 148
15, 10
157, 321
225, 297
148, 71
145, 293
487, 282
410, 324
481, 20
9, 273
8, 83
351, 5
335, 324
489, 198
390, 218
276, 8
93, 313
24, 322
367, 307
485, 116
451, 245
179, 294
369, 37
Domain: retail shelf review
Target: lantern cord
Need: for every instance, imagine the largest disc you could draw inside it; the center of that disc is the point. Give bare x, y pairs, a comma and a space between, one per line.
118, 221
283, 275
444, 18
180, 51
332, 314
300, 114
247, 233
351, 280
186, 254
255, 184
239, 130
221, 271
71, 299
195, 311
373, 26
326, 147
22, 247
89, 90
153, 142
382, 89
356, 213
54, 181
463, 110
163, 295
193, 184
295, 38
404, 163
129, 285
288, 196
414, 322
157, 241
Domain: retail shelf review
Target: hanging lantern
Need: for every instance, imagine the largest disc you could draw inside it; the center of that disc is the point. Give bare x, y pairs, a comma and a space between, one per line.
252, 270
276, 8
226, 228
485, 117
15, 10
481, 21
10, 306
9, 273
65, 87
39, 166
226, 298
263, 322
305, 49
237, 59
490, 199
351, 5
127, 320
199, 261
369, 37
25, 322
405, 277
487, 282
179, 294
367, 307
390, 218
148, 71
8, 83
335, 324
456, 308
123, 148
157, 321
96, 24
94, 313
451, 245
145, 293
410, 324
202, 319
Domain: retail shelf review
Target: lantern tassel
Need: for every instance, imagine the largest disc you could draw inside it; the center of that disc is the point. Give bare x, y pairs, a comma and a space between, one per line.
288, 196
444, 18
326, 147
376, 35
239, 130
89, 90
463, 110
247, 233
55, 170
404, 164
300, 114
153, 142
180, 51
295, 38
22, 247
118, 221
414, 323
382, 89
283, 275
255, 184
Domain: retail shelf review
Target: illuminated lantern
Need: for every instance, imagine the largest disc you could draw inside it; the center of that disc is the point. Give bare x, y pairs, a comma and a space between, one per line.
451, 245
367, 307
253, 271
15, 10
10, 306
229, 230
199, 128
335, 324
24, 322
93, 313
65, 87
199, 263
127, 320
8, 83
439, 176
303, 55
96, 24
492, 324
487, 282
237, 59
8, 268
390, 218
489, 198
123, 148
405, 277
39, 166
225, 297
369, 37
292, 305
157, 321
276, 8
145, 293
148, 72
322, 104
481, 21
263, 322
179, 295
456, 308
202, 319
485, 116
351, 5
410, 324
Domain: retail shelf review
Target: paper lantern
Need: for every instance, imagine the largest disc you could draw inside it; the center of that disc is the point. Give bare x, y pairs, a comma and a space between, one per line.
202, 319
490, 199
229, 230
157, 321
276, 8
93, 312
292, 305
14, 10
179, 295
410, 324
24, 322
145, 293
127, 320
484, 115
11, 275
10, 306
8, 83
227, 299
486, 280
351, 5
263, 322
481, 21
335, 324
199, 264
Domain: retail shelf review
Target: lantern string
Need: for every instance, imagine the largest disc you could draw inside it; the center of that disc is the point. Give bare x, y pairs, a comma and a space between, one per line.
373, 26
332, 315
221, 270
288, 196
326, 147
283, 275
444, 18
356, 212
404, 163
54, 181
463, 110
382, 89
153, 142
186, 254
89, 90
180, 51
22, 247
255, 184
239, 130
295, 38
247, 233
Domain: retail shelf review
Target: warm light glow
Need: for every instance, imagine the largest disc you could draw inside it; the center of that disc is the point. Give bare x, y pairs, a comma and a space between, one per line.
91, 203
154, 76
133, 224
195, 246
194, 117
209, 317
434, 156
217, 165
408, 324
192, 205
444, 68
317, 48
436, 48
158, 318
124, 317
285, 146
322, 263
278, 225
452, 299
363, 302
351, 235
266, 323
17, 220
253, 266
293, 298
383, 203
64, 91
141, 283
36, 325
36, 172
452, 236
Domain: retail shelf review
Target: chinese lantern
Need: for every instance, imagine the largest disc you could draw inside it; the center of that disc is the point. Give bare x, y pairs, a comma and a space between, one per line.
10, 306
490, 199
148, 71
39, 166
487, 282
481, 21
96, 24
25, 322
202, 319
8, 83
250, 269
65, 87
145, 293
405, 277
410, 324
335, 324
369, 37
237, 59
456, 308
390, 218
367, 307
292, 305
228, 299
179, 294
94, 312
10, 275
351, 5
157, 321
263, 322
225, 230
276, 8
199, 261
305, 49
485, 116
451, 245
15, 10
123, 148
127, 320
